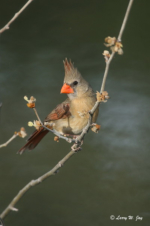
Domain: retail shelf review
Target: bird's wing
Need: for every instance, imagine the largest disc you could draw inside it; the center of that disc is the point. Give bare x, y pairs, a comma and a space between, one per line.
61, 111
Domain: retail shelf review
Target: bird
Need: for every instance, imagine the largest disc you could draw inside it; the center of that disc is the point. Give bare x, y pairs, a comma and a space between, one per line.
71, 116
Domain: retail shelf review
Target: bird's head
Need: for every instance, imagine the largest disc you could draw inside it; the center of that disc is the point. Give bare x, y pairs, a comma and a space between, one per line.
74, 84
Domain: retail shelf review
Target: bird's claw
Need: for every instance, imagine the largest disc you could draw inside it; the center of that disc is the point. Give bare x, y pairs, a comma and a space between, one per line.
76, 147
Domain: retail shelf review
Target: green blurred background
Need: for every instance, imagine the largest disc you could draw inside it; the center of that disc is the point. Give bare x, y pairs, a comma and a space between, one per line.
111, 175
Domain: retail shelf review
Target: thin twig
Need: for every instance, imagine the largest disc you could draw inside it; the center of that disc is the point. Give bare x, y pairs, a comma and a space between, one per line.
35, 182
119, 39
106, 72
79, 140
12, 138
22, 133
85, 130
125, 20
6, 27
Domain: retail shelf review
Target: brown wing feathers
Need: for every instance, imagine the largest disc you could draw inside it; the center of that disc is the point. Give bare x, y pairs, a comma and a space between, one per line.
61, 111
34, 139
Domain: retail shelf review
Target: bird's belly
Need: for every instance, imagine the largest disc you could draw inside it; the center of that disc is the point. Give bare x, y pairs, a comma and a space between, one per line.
77, 124
72, 125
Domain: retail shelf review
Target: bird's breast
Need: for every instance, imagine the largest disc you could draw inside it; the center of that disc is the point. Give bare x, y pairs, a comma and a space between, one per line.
79, 109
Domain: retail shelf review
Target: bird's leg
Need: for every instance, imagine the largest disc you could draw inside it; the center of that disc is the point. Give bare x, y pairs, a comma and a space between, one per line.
74, 137
76, 147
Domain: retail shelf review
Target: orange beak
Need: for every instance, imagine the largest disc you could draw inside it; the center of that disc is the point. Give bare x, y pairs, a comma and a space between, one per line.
66, 89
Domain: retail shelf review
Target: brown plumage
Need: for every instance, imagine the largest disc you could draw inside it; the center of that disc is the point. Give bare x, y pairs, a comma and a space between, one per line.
71, 116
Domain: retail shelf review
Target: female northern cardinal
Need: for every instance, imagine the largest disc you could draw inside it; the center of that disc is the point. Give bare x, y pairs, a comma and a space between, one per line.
71, 116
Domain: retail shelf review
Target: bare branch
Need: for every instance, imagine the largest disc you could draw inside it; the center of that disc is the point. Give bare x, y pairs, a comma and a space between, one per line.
119, 39
21, 133
125, 20
35, 182
6, 27
106, 72
12, 138
85, 130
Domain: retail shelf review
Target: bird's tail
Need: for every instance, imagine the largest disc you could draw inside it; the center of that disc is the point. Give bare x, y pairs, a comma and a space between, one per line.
33, 140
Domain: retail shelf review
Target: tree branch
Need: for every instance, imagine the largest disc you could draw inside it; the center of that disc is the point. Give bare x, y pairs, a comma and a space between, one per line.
106, 72
85, 130
35, 182
6, 27
7, 142
125, 20
21, 133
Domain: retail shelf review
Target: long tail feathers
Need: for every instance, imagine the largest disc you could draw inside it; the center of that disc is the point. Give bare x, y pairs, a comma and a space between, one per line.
33, 140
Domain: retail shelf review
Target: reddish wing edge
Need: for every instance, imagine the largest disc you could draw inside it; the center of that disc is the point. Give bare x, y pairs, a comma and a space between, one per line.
61, 111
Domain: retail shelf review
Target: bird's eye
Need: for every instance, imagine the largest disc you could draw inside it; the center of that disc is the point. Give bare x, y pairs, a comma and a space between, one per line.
75, 83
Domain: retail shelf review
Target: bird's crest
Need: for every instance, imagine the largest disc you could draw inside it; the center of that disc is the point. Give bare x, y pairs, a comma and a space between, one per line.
70, 71
68, 66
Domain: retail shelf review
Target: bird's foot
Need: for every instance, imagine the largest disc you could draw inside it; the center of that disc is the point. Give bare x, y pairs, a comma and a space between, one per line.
76, 147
